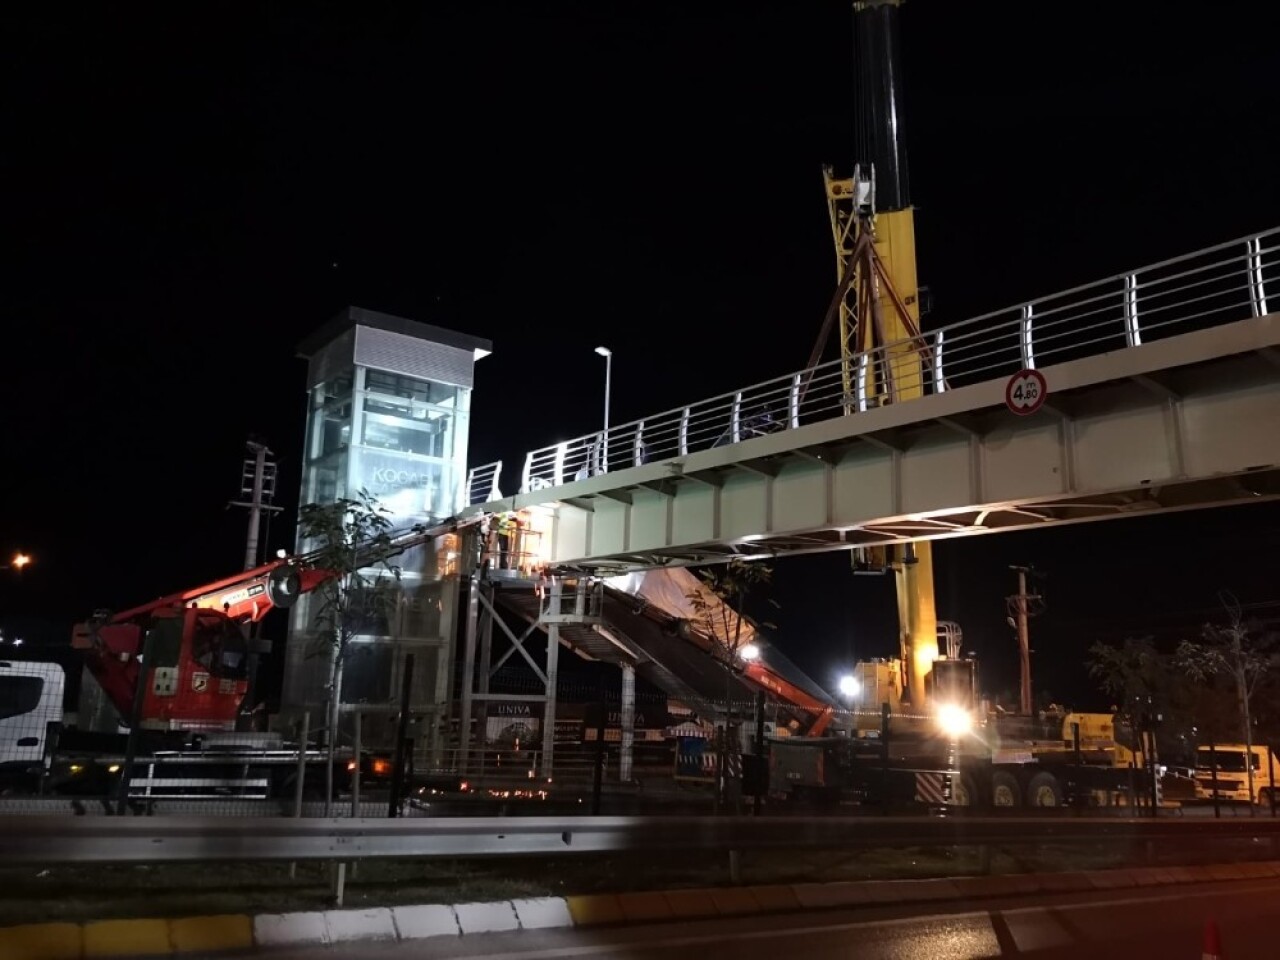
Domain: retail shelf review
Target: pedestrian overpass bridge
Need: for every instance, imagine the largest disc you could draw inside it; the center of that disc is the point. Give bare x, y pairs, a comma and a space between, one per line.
1163, 393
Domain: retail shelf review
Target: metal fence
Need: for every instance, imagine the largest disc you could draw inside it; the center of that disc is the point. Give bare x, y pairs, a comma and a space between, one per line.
695, 755
1217, 285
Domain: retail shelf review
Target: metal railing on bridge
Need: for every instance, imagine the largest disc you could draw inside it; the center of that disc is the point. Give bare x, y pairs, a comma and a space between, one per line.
482, 483
1210, 287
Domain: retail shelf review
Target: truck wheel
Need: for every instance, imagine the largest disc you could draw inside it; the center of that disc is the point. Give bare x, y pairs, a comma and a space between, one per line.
963, 792
1004, 790
1043, 790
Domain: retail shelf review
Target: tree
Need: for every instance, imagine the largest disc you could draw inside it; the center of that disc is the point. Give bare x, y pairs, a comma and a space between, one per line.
1140, 680
1238, 654
1133, 673
719, 608
352, 540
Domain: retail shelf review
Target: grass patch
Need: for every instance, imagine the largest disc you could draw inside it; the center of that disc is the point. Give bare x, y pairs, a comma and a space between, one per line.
165, 890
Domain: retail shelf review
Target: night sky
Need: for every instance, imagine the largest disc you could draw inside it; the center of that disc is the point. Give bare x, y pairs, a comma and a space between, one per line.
189, 195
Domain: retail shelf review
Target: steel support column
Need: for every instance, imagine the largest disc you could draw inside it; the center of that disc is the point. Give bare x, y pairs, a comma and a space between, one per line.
486, 638
553, 658
468, 673
627, 722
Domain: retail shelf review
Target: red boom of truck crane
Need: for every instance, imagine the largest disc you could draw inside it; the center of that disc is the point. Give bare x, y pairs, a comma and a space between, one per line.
197, 674
198, 670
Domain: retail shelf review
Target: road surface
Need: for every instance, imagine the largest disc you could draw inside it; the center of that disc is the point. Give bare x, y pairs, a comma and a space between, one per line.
1165, 923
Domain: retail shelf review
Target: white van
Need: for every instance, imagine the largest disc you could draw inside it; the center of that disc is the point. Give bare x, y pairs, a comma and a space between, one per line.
30, 703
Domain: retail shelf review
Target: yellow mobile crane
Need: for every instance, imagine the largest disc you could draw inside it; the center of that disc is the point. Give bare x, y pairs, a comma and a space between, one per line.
1039, 761
877, 302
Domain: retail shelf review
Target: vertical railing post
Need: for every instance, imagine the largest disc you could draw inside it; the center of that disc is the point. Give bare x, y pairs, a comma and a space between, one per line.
793, 421
637, 453
494, 492
1132, 334
939, 381
557, 465
684, 431
300, 778
471, 476
860, 385
1271, 789
401, 755
1024, 338
1257, 290
357, 747
526, 475
735, 419
596, 463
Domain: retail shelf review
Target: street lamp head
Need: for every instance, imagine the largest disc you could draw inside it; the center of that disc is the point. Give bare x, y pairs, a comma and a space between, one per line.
849, 685
604, 351
749, 652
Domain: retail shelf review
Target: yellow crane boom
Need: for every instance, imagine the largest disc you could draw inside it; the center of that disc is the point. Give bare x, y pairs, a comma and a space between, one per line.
883, 355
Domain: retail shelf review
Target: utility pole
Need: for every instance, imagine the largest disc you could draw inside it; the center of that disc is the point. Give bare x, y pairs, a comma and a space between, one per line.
258, 485
1020, 611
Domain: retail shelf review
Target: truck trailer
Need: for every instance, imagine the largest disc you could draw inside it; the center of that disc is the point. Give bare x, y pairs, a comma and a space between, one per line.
956, 752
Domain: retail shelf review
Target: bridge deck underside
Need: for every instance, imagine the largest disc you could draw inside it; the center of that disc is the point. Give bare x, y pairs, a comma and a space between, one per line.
1191, 421
651, 643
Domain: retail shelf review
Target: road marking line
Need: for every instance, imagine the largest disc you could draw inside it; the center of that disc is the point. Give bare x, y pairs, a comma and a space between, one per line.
693, 940
1129, 901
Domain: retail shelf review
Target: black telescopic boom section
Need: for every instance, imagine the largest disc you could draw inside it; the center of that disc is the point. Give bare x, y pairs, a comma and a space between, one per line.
881, 132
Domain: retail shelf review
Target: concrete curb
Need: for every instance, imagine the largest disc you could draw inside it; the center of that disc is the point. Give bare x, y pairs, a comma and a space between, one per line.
232, 932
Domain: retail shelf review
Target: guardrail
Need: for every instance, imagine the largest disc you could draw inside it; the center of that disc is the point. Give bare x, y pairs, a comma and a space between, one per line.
53, 840
1216, 285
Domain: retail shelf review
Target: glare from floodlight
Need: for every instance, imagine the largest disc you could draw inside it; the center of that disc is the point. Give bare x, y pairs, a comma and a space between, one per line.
954, 720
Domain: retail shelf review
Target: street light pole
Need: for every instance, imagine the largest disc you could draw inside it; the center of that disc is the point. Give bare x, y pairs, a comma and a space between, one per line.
608, 388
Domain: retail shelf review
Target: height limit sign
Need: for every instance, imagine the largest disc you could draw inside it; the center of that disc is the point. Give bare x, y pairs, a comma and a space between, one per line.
1025, 392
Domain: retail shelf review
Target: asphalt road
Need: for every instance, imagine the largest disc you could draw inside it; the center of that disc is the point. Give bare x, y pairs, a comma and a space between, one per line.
1161, 924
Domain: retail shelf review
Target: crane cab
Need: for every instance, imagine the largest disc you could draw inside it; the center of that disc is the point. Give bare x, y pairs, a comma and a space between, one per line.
197, 673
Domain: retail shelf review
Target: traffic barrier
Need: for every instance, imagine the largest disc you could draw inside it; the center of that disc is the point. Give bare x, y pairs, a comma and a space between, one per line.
486, 917
126, 938
347, 925
931, 787
695, 760
53, 840
1212, 949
